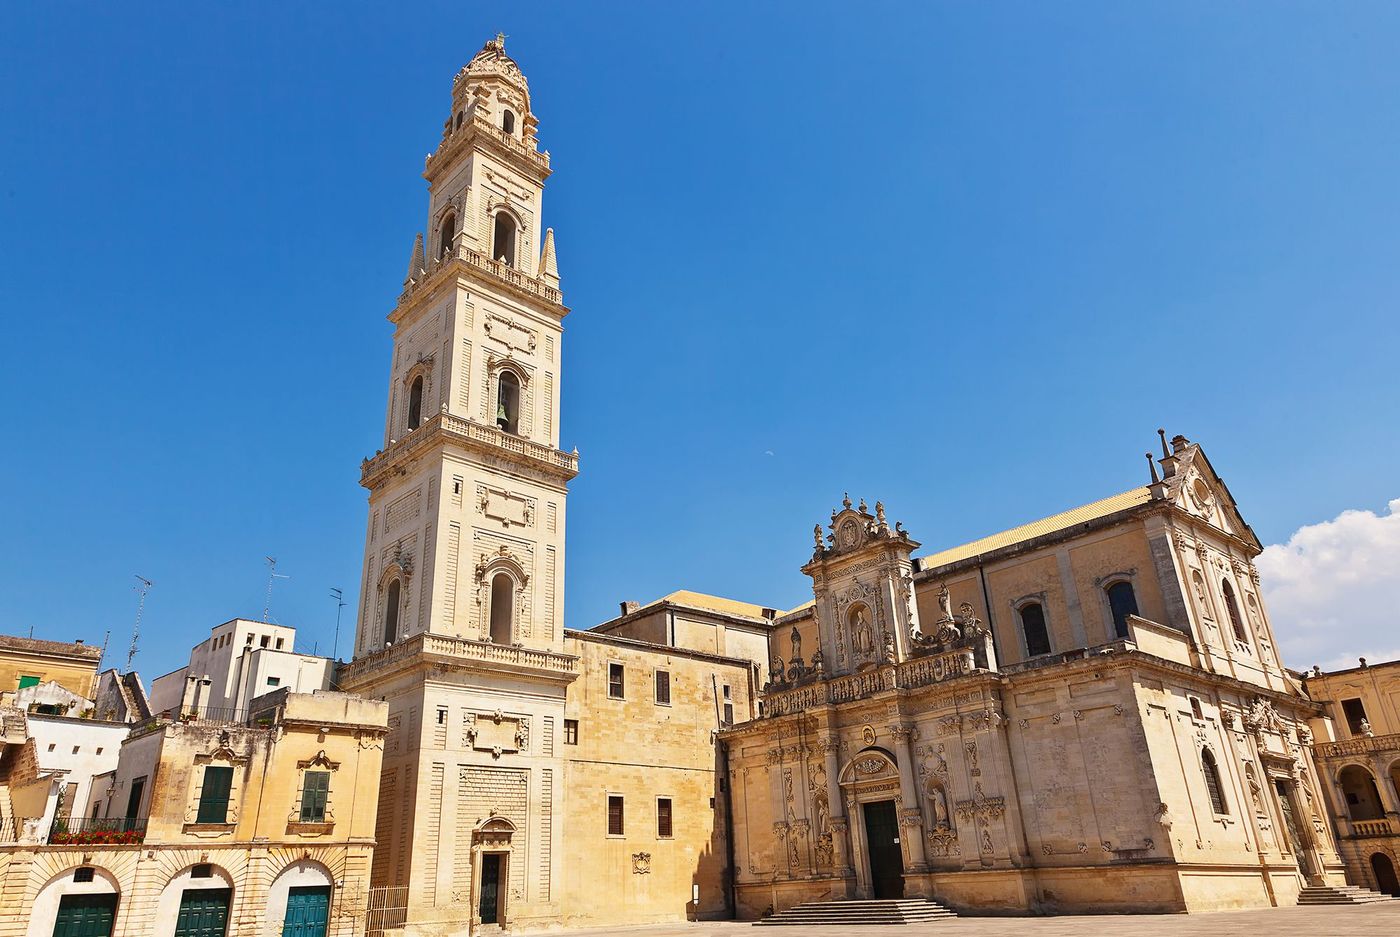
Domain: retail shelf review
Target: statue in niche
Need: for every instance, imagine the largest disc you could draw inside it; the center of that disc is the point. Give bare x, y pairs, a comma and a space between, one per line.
939, 802
862, 637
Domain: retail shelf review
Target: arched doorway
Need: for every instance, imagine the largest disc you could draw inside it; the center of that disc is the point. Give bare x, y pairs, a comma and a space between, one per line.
1384, 871
299, 900
491, 849
195, 902
1358, 786
871, 781
78, 901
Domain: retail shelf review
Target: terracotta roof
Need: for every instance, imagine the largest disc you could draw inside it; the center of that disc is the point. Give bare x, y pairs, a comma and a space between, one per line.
1046, 525
711, 603
9, 642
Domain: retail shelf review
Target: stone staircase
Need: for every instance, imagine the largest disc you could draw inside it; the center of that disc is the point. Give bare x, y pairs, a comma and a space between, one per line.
852, 912
1344, 894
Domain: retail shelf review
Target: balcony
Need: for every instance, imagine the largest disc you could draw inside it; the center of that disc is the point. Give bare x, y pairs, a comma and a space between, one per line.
445, 652
481, 128
1361, 745
504, 273
97, 831
472, 435
1385, 826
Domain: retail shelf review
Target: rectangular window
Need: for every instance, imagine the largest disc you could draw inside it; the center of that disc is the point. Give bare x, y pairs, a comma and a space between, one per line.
263, 641
570, 731
83, 874
614, 681
614, 815
442, 716
728, 706
274, 681
663, 817
315, 788
1355, 713
279, 643
663, 687
213, 795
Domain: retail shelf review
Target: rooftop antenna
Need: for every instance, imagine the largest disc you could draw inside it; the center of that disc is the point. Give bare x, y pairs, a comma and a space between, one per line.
142, 589
339, 605
105, 639
272, 576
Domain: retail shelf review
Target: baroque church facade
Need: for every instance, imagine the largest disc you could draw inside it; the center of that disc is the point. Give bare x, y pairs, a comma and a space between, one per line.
1088, 713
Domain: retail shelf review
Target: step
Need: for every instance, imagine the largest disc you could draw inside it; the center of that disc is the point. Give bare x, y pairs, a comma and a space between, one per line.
892, 911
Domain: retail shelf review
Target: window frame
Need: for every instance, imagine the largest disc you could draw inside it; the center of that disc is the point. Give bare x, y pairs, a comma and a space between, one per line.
321, 793
1037, 602
621, 671
659, 677
670, 814
206, 813
1106, 590
570, 731
1215, 785
621, 815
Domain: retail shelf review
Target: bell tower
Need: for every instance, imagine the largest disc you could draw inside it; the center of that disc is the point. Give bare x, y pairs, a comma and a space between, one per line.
466, 522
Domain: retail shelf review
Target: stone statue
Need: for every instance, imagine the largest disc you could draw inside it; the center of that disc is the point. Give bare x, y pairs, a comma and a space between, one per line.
939, 801
817, 536
880, 513
796, 642
889, 648
818, 662
862, 632
1366, 729
945, 602
775, 670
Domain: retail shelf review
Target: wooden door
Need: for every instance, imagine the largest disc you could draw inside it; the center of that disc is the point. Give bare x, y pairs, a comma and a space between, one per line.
85, 916
886, 858
308, 911
203, 913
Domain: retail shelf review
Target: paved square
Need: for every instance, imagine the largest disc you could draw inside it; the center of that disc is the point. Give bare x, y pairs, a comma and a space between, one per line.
1374, 920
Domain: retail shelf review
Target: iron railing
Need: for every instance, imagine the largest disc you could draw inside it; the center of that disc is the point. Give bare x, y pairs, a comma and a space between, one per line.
97, 831
386, 910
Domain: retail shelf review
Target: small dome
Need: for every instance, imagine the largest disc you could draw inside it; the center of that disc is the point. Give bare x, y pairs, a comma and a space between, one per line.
493, 61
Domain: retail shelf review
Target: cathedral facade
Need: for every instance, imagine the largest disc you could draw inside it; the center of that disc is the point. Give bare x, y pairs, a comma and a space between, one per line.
1087, 713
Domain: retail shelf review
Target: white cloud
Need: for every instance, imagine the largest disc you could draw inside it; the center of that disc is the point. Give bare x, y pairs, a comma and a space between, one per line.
1333, 590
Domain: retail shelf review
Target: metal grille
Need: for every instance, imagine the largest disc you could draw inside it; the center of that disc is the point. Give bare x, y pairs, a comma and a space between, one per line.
386, 911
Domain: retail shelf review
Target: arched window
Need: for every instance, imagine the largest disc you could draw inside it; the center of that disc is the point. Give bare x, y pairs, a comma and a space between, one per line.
391, 613
1232, 608
1121, 603
460, 115
415, 403
1213, 788
1033, 626
508, 402
503, 239
502, 607
508, 121
446, 232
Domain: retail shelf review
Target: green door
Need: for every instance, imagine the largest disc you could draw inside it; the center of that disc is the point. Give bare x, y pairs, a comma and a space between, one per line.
85, 916
203, 912
308, 910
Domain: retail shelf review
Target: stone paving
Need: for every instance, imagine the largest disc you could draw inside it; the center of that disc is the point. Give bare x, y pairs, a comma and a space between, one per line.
1373, 920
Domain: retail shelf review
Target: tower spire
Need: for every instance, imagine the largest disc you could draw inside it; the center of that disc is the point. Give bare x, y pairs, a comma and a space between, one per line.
549, 266
417, 262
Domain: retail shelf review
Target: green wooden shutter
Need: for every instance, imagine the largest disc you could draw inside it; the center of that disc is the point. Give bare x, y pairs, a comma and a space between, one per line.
213, 796
26, 681
315, 789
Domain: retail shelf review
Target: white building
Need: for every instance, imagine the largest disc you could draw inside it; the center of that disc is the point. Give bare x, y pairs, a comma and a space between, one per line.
56, 776
240, 660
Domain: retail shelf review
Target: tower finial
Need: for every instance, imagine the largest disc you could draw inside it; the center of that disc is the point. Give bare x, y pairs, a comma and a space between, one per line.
1152, 467
549, 265
417, 261
1162, 435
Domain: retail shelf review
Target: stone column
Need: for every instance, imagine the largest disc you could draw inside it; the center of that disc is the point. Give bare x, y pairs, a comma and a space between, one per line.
836, 808
857, 823
911, 823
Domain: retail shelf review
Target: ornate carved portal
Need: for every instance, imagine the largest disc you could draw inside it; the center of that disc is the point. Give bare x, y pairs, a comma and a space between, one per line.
872, 777
491, 851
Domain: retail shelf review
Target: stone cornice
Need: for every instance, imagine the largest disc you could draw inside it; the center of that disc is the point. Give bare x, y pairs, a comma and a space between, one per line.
465, 263
547, 463
533, 163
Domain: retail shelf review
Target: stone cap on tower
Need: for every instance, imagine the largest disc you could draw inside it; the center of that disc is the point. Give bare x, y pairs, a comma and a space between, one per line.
493, 63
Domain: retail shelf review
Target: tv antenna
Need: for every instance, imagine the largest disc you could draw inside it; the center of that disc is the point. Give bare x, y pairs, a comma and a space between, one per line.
272, 576
142, 589
339, 605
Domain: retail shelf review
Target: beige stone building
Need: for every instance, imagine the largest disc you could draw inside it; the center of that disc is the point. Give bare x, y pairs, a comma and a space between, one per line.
1357, 747
262, 826
1086, 713
28, 665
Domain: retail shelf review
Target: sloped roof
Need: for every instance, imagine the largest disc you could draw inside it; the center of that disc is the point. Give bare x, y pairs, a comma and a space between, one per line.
711, 603
1046, 525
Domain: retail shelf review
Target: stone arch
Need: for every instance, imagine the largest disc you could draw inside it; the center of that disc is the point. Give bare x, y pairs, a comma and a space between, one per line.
1360, 795
183, 880
44, 911
870, 764
1383, 871
299, 873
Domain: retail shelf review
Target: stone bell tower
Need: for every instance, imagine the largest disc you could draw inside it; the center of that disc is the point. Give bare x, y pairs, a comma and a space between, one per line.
862, 578
460, 622
466, 521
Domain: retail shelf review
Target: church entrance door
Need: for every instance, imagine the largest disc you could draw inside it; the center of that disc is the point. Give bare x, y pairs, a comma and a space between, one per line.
490, 906
1295, 835
886, 857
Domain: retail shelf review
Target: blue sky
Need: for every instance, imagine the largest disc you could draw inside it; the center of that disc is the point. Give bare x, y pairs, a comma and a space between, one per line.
964, 258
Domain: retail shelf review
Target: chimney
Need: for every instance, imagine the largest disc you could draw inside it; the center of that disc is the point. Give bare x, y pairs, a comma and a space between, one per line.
1179, 442
770, 613
629, 607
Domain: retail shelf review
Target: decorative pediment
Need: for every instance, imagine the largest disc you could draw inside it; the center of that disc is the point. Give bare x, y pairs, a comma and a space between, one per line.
853, 528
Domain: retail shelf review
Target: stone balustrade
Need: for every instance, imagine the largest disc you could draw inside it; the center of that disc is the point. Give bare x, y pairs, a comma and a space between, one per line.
915, 672
460, 649
1382, 827
455, 426
1362, 745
